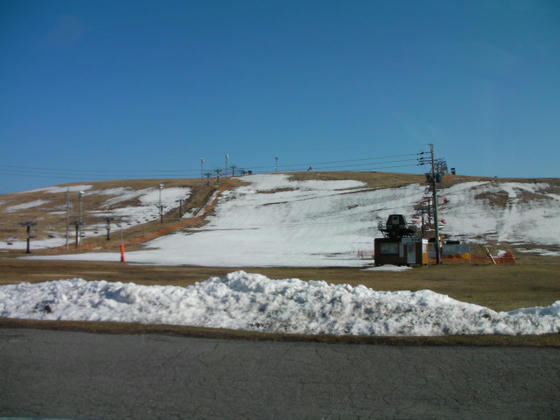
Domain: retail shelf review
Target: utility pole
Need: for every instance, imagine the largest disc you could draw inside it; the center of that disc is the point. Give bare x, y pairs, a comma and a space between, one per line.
432, 178
28, 225
208, 175
67, 216
202, 160
422, 222
218, 172
276, 165
233, 168
434, 195
160, 205
227, 159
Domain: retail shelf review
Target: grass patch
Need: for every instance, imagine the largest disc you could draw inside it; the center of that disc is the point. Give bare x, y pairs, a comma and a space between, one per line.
547, 340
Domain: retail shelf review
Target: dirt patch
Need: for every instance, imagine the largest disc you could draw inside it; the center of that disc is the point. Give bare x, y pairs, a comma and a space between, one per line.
525, 197
371, 179
495, 199
276, 190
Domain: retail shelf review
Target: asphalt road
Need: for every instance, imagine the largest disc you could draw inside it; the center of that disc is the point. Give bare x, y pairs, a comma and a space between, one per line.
84, 375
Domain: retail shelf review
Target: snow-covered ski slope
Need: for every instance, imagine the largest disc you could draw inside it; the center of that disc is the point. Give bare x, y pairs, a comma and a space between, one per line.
256, 303
276, 221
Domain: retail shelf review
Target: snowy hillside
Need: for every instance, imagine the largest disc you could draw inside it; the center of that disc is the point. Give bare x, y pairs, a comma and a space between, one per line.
126, 206
255, 303
276, 221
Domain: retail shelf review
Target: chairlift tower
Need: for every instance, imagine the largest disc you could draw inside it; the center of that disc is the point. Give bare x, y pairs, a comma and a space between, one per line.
28, 225
160, 204
81, 210
108, 220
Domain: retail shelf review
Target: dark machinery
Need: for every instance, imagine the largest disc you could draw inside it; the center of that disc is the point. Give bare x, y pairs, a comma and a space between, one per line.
396, 227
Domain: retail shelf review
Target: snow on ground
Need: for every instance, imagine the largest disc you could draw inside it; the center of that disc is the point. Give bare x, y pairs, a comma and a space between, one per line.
35, 243
539, 251
278, 222
388, 267
62, 189
149, 202
521, 221
275, 221
253, 302
28, 205
125, 217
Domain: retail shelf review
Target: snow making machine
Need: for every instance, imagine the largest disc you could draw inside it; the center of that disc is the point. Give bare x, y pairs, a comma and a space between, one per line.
401, 244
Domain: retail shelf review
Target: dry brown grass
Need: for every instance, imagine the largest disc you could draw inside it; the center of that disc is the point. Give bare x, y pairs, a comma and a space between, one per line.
499, 287
548, 340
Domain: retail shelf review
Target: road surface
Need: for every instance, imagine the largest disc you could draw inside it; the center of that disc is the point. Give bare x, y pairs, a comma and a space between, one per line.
85, 375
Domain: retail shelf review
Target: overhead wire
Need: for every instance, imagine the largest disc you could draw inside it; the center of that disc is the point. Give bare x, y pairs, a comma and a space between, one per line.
368, 163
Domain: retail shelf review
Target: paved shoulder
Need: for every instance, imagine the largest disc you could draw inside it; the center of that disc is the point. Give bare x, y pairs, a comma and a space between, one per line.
82, 375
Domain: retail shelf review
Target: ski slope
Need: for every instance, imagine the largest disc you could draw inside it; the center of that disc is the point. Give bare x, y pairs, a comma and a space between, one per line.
275, 221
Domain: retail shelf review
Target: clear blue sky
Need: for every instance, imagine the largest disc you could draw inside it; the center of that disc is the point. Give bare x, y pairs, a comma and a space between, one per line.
119, 89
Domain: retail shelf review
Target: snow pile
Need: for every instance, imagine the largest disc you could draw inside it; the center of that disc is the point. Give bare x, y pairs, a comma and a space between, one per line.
254, 302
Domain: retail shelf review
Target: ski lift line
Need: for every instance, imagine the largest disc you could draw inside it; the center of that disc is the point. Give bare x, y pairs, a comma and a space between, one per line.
58, 171
110, 176
363, 169
63, 172
307, 164
364, 164
80, 171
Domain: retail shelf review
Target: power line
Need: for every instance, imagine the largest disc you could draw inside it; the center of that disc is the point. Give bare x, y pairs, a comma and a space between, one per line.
71, 173
328, 162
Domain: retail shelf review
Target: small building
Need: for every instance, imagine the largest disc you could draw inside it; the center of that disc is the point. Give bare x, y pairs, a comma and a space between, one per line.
408, 250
